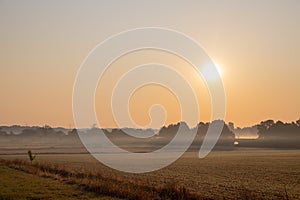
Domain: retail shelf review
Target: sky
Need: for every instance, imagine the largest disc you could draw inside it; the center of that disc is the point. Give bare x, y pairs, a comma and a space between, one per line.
255, 44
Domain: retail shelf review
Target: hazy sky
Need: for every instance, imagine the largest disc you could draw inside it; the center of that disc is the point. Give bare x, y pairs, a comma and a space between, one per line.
255, 43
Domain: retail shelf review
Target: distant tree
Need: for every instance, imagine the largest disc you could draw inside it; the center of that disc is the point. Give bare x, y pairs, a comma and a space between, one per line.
31, 156
264, 127
47, 127
73, 132
231, 126
279, 123
298, 122
279, 134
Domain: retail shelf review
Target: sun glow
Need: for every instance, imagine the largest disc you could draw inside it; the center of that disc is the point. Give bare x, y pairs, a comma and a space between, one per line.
212, 71
219, 68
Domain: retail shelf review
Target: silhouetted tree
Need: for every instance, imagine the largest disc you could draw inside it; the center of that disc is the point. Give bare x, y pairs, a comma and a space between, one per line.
298, 122
47, 127
279, 134
264, 127
73, 132
231, 126
31, 156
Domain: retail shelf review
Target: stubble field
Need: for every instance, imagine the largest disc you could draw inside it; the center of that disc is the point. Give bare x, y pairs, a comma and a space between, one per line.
235, 174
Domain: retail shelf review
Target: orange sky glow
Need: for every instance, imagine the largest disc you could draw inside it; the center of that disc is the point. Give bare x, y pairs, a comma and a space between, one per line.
255, 44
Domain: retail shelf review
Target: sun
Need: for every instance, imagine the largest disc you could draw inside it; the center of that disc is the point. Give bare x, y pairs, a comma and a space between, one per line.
212, 71
219, 68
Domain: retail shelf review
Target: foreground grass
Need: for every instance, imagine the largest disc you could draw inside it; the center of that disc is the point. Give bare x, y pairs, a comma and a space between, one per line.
16, 184
98, 184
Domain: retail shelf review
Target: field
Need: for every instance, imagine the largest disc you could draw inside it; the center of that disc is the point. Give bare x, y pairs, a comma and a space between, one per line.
235, 174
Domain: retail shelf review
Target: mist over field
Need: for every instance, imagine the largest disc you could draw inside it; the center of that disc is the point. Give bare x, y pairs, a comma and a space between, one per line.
267, 134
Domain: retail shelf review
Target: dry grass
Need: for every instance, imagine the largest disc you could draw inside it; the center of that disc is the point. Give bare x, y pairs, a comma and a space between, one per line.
15, 184
98, 184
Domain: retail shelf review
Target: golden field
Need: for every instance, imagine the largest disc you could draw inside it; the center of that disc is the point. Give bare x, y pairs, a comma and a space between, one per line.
234, 174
